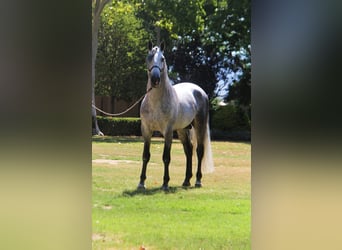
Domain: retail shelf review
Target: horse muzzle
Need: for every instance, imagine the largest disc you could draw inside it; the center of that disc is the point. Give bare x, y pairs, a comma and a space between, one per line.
155, 77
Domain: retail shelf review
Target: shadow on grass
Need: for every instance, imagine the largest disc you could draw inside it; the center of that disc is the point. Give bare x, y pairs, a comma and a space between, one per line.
155, 140
127, 139
153, 191
116, 139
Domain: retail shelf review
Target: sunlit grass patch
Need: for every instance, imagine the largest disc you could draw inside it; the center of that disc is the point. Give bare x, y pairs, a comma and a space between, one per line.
216, 216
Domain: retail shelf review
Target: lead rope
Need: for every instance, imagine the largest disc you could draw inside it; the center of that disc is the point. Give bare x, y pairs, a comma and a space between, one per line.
118, 114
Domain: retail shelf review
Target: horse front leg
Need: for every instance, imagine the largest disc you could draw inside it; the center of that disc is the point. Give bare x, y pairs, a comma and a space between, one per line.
167, 159
146, 158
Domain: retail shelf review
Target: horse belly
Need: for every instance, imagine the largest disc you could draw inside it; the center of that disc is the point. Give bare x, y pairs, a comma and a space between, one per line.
182, 124
186, 114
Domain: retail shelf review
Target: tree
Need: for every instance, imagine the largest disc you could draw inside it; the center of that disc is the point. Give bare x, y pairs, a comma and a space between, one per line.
97, 7
190, 62
171, 18
120, 64
208, 41
228, 29
180, 23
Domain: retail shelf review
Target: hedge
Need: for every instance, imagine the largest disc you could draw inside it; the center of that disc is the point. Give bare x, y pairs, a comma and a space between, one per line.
119, 125
230, 118
230, 122
227, 123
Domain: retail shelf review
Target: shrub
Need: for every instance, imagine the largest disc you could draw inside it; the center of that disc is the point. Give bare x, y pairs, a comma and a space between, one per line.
230, 118
119, 125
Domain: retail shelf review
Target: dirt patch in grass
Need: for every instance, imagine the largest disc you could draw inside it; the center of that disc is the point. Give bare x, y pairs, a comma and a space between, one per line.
96, 236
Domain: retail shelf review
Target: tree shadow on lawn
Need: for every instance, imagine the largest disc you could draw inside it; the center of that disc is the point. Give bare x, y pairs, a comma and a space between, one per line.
153, 191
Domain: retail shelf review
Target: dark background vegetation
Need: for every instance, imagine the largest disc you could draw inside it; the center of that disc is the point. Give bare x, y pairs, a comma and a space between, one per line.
207, 42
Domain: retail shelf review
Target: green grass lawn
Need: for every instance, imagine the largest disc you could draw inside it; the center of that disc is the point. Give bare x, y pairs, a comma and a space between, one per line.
216, 216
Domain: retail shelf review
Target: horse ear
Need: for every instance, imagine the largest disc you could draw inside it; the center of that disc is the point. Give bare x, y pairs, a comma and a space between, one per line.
162, 46
150, 45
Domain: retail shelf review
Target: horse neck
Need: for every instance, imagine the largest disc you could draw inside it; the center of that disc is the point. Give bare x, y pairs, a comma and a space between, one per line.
164, 92
165, 84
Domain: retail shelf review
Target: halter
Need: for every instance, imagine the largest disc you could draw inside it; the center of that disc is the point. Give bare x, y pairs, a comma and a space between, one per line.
156, 66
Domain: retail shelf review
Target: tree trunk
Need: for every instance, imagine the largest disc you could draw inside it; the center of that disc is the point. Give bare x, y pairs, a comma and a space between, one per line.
97, 9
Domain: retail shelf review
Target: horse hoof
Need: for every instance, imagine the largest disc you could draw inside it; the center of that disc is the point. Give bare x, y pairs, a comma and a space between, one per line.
186, 184
165, 188
198, 185
141, 187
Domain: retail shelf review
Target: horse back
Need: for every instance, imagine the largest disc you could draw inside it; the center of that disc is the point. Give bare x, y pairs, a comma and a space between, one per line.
191, 94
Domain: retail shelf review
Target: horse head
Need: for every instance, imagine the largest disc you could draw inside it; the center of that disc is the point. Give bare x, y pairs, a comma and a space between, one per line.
155, 63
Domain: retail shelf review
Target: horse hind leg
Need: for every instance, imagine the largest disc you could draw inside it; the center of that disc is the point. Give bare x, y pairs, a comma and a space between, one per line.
200, 129
200, 153
184, 136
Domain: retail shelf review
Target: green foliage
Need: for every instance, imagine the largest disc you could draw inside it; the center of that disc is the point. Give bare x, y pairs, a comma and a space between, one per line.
240, 91
207, 41
230, 118
215, 103
175, 18
120, 65
119, 125
227, 37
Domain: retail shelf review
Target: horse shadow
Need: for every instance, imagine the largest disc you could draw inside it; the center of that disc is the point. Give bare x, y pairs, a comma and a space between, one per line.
153, 191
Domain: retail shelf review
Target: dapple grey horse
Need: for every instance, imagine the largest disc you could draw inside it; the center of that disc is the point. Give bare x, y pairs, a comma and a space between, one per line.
184, 108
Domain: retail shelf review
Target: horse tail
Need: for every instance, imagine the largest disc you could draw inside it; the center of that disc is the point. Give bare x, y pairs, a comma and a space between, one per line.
193, 139
207, 161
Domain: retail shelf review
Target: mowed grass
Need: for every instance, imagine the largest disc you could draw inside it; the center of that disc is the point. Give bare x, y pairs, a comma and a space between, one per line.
216, 216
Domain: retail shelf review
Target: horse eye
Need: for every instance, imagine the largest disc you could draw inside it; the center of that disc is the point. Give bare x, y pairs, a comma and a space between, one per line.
162, 59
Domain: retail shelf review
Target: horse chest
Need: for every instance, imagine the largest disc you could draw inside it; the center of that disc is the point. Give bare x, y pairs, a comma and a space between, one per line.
158, 117
158, 120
